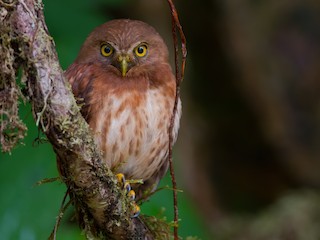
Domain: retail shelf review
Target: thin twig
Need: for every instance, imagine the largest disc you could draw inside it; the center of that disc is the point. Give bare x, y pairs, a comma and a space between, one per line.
62, 210
179, 77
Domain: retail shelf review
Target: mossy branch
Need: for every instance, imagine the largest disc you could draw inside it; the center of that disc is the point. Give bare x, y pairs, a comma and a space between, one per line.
102, 209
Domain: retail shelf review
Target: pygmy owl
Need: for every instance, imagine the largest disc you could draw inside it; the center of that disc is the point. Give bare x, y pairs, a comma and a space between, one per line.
125, 85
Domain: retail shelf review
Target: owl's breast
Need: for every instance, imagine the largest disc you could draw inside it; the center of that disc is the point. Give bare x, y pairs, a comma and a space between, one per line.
133, 135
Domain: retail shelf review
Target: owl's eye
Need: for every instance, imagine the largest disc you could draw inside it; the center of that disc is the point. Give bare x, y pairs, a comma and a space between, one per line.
141, 50
106, 50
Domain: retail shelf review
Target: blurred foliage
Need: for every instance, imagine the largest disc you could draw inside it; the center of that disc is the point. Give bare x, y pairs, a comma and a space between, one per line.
28, 211
252, 115
295, 216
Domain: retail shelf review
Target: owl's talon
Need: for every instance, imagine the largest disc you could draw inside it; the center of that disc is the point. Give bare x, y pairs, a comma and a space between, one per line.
136, 211
121, 179
127, 187
132, 195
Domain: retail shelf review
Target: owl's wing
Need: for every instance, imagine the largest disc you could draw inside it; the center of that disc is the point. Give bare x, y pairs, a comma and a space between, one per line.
81, 77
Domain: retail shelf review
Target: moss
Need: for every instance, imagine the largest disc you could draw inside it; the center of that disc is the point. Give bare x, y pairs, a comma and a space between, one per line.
160, 228
12, 129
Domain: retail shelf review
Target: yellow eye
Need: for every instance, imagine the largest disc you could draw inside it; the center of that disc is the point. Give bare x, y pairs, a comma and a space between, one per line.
141, 50
106, 50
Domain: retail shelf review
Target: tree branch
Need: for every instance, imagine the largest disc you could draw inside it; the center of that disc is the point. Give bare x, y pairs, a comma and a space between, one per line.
101, 206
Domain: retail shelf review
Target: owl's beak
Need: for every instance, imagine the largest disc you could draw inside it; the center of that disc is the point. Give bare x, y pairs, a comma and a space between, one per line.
123, 63
124, 67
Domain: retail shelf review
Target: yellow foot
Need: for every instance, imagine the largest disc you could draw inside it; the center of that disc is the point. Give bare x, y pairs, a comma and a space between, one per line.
121, 178
135, 211
130, 193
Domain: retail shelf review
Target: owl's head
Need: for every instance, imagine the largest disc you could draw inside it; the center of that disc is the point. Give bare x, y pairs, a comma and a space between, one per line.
127, 46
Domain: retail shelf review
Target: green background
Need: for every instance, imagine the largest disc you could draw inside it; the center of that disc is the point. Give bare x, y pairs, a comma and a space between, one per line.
28, 211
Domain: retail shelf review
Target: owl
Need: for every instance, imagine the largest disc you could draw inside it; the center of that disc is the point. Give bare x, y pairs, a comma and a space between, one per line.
125, 85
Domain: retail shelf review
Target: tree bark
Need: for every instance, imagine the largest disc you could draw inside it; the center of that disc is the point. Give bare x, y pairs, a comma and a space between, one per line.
101, 206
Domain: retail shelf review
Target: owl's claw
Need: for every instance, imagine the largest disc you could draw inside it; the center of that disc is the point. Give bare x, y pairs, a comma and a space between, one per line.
136, 211
130, 193
127, 187
121, 178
